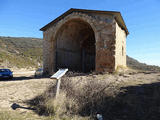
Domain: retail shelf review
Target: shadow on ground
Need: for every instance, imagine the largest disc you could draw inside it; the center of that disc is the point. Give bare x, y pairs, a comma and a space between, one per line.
141, 102
21, 78
14, 106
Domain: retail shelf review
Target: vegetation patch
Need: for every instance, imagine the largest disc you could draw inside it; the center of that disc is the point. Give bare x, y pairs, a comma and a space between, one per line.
20, 52
85, 97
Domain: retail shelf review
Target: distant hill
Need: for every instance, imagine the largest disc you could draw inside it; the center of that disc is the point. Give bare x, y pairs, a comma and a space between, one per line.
20, 52
24, 52
134, 64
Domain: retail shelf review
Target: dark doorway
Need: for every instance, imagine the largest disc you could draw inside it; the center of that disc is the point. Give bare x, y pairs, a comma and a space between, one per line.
75, 48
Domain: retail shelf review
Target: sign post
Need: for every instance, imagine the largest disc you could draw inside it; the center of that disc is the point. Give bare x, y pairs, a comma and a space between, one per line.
58, 76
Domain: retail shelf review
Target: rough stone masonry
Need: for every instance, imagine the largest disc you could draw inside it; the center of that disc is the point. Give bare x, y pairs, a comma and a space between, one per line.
84, 41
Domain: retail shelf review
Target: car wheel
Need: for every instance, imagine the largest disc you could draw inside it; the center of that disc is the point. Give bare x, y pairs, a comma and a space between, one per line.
35, 75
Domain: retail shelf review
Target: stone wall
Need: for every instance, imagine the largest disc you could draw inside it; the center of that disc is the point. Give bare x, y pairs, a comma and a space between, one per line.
48, 52
120, 55
105, 47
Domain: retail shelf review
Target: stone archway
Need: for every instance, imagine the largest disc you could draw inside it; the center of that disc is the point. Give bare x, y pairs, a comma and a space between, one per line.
66, 43
75, 46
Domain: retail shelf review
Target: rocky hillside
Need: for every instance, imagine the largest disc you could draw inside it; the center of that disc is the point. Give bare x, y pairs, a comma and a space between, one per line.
23, 52
134, 64
20, 52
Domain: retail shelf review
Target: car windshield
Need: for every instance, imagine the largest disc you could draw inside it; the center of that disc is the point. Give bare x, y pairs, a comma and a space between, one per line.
40, 69
4, 70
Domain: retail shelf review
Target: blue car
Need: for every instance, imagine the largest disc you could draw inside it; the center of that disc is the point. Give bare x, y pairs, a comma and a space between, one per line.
6, 74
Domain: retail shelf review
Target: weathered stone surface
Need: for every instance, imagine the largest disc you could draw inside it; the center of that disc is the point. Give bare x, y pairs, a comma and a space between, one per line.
120, 49
95, 41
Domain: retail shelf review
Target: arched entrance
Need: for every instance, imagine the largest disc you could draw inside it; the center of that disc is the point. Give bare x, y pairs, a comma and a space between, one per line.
75, 46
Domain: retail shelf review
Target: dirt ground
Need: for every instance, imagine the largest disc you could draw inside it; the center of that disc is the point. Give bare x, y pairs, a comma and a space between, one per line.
25, 87
21, 88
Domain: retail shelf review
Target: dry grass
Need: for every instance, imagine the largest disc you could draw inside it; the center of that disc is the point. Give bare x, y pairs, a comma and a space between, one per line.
85, 96
82, 97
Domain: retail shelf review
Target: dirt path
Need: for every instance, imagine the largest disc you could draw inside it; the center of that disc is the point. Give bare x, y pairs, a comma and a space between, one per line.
22, 87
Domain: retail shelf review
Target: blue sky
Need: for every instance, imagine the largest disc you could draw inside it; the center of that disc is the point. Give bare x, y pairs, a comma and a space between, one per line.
24, 18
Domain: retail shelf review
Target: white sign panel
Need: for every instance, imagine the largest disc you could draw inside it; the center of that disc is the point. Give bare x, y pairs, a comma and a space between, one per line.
59, 73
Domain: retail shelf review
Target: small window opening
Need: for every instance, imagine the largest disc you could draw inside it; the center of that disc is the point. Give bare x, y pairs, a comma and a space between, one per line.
122, 51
